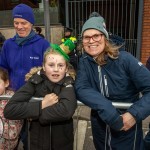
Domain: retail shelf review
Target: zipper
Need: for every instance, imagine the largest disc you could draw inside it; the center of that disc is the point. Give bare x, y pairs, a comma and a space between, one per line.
100, 79
107, 136
106, 86
104, 89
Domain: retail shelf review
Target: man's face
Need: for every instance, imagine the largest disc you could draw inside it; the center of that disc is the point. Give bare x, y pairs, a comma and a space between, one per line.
22, 27
67, 34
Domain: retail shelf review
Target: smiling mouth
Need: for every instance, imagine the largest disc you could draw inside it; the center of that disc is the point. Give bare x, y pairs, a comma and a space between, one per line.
93, 46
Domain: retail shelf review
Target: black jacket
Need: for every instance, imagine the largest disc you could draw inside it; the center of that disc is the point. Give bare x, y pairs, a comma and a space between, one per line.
58, 116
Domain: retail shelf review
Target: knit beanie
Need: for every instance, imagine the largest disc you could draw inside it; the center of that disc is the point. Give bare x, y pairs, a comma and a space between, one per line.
97, 23
23, 11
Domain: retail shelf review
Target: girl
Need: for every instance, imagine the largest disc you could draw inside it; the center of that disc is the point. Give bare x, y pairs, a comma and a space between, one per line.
9, 129
57, 107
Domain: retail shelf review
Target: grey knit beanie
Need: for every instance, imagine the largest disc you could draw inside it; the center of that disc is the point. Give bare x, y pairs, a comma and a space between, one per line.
97, 23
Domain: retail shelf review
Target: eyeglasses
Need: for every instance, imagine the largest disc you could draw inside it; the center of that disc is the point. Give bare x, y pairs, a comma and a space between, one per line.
95, 37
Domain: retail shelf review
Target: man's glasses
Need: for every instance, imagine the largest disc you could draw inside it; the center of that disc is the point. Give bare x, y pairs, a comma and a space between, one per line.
95, 37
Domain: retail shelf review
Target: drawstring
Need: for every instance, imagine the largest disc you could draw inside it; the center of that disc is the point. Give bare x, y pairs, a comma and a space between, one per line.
108, 135
135, 137
109, 139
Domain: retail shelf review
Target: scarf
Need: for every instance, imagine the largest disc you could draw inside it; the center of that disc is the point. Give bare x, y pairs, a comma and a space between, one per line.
22, 40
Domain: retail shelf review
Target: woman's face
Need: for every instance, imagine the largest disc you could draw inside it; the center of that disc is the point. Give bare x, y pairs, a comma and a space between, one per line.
55, 67
93, 42
22, 27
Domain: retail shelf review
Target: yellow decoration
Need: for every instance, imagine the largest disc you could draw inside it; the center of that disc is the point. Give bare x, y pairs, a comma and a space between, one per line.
73, 39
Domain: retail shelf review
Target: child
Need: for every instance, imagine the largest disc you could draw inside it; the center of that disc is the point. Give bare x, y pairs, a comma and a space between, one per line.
9, 129
51, 124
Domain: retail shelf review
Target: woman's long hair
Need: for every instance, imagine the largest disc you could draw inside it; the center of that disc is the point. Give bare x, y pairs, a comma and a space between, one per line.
111, 50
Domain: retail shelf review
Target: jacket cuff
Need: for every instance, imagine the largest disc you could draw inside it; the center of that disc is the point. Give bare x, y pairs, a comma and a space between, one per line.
134, 114
117, 124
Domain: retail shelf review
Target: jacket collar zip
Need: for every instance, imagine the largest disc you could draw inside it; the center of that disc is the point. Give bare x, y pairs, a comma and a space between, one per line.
108, 133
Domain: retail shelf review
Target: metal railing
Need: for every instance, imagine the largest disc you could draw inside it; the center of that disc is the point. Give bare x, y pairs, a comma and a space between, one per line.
120, 105
82, 124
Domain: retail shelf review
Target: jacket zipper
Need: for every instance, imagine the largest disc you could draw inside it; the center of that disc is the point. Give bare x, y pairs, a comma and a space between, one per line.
107, 137
104, 93
100, 79
106, 86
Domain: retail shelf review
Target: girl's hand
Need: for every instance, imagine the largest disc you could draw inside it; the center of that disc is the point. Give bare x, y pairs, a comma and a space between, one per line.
49, 100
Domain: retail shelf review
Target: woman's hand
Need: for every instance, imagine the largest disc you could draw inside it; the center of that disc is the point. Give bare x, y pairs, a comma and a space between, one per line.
128, 121
49, 100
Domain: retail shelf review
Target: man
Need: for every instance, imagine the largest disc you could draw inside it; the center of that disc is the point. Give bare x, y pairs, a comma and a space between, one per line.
67, 34
24, 51
73, 55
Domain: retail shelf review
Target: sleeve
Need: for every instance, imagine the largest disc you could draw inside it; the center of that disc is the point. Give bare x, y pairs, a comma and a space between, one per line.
95, 100
63, 110
19, 106
140, 76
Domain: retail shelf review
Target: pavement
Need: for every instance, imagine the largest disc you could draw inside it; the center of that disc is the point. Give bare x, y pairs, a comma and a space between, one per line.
83, 139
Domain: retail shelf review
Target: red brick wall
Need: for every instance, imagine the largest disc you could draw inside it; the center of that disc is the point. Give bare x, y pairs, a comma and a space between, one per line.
145, 47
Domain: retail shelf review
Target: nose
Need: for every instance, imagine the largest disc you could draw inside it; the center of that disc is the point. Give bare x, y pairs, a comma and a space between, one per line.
56, 68
91, 40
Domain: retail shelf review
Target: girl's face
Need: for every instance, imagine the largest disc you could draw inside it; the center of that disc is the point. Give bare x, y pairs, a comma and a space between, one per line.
22, 27
93, 42
3, 86
55, 67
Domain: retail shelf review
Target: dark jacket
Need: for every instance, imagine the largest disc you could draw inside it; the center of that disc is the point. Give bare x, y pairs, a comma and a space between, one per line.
58, 116
120, 80
19, 59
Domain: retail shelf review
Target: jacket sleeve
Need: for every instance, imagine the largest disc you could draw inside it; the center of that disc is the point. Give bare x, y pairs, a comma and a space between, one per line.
140, 76
19, 106
95, 100
63, 110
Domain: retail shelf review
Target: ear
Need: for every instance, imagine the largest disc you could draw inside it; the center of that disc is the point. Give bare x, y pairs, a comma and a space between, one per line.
6, 83
43, 67
67, 69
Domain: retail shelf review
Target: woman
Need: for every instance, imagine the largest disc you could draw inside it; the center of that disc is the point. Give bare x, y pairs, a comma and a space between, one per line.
106, 75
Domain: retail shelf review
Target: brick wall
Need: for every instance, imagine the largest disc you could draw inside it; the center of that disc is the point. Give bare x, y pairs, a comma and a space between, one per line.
145, 47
